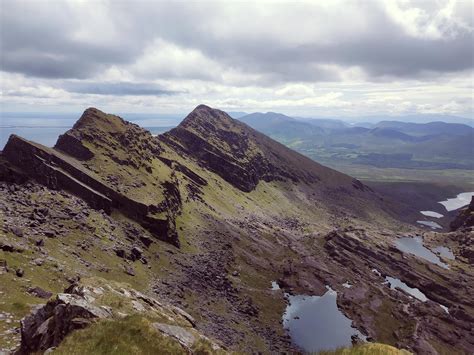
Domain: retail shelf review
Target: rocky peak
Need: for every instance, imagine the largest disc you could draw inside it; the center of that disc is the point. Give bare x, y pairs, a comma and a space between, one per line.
241, 155
97, 132
94, 118
203, 118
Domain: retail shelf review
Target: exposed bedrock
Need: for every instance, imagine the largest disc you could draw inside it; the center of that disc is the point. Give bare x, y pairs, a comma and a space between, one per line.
465, 218
57, 171
73, 146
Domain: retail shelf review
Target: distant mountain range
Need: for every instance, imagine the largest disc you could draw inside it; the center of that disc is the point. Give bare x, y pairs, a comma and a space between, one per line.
368, 121
385, 144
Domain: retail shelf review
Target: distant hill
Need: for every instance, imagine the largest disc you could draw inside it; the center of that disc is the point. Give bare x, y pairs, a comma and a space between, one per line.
431, 128
279, 125
385, 144
392, 134
326, 123
418, 118
237, 114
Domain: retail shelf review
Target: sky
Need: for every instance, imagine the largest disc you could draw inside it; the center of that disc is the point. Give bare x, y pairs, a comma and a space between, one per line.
307, 58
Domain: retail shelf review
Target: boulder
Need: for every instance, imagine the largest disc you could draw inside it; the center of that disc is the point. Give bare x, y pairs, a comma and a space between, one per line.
47, 326
39, 292
20, 272
10, 247
86, 302
129, 270
136, 253
17, 231
50, 233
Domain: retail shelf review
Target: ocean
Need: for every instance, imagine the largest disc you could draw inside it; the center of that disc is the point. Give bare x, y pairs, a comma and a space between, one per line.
45, 128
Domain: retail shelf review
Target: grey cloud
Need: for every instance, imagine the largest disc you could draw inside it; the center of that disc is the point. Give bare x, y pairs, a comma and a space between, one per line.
44, 44
46, 65
41, 41
117, 89
384, 50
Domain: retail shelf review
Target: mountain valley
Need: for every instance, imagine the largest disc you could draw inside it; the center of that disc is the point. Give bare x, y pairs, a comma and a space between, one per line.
383, 151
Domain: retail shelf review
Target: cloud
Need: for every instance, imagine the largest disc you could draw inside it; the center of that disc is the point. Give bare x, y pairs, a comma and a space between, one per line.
62, 39
117, 89
144, 53
283, 42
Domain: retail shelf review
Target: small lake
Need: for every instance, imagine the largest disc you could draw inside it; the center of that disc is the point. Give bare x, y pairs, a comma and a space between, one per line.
394, 283
459, 201
397, 283
431, 224
445, 252
415, 246
431, 214
315, 323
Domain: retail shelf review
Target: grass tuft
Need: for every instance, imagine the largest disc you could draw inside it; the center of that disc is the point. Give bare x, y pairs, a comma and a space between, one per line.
367, 349
130, 335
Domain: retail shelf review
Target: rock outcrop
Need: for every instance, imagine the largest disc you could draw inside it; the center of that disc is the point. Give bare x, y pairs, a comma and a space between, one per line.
58, 171
465, 218
85, 303
47, 326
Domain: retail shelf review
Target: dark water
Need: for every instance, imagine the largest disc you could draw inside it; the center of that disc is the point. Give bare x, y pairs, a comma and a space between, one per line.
445, 252
415, 246
319, 324
431, 224
397, 283
459, 201
394, 283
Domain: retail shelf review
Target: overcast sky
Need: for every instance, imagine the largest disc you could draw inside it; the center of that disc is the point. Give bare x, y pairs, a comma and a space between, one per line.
315, 58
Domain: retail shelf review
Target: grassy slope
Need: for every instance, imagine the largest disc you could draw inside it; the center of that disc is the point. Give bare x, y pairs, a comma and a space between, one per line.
132, 335
367, 349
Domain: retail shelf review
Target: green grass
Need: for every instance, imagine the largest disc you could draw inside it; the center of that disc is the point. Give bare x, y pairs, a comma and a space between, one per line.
130, 335
367, 349
370, 173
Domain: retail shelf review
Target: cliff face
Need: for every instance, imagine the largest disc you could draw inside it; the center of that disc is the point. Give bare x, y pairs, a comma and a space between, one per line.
243, 156
465, 218
56, 171
70, 166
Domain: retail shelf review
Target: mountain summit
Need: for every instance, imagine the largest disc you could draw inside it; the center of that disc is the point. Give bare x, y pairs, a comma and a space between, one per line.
243, 156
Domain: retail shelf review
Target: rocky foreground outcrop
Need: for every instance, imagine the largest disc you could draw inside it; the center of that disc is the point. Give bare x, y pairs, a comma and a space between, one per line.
99, 300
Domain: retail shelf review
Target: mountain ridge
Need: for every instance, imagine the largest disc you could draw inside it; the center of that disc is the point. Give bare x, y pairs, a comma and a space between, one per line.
252, 149
239, 211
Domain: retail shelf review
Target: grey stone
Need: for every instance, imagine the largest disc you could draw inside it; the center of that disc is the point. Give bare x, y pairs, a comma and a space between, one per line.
185, 337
